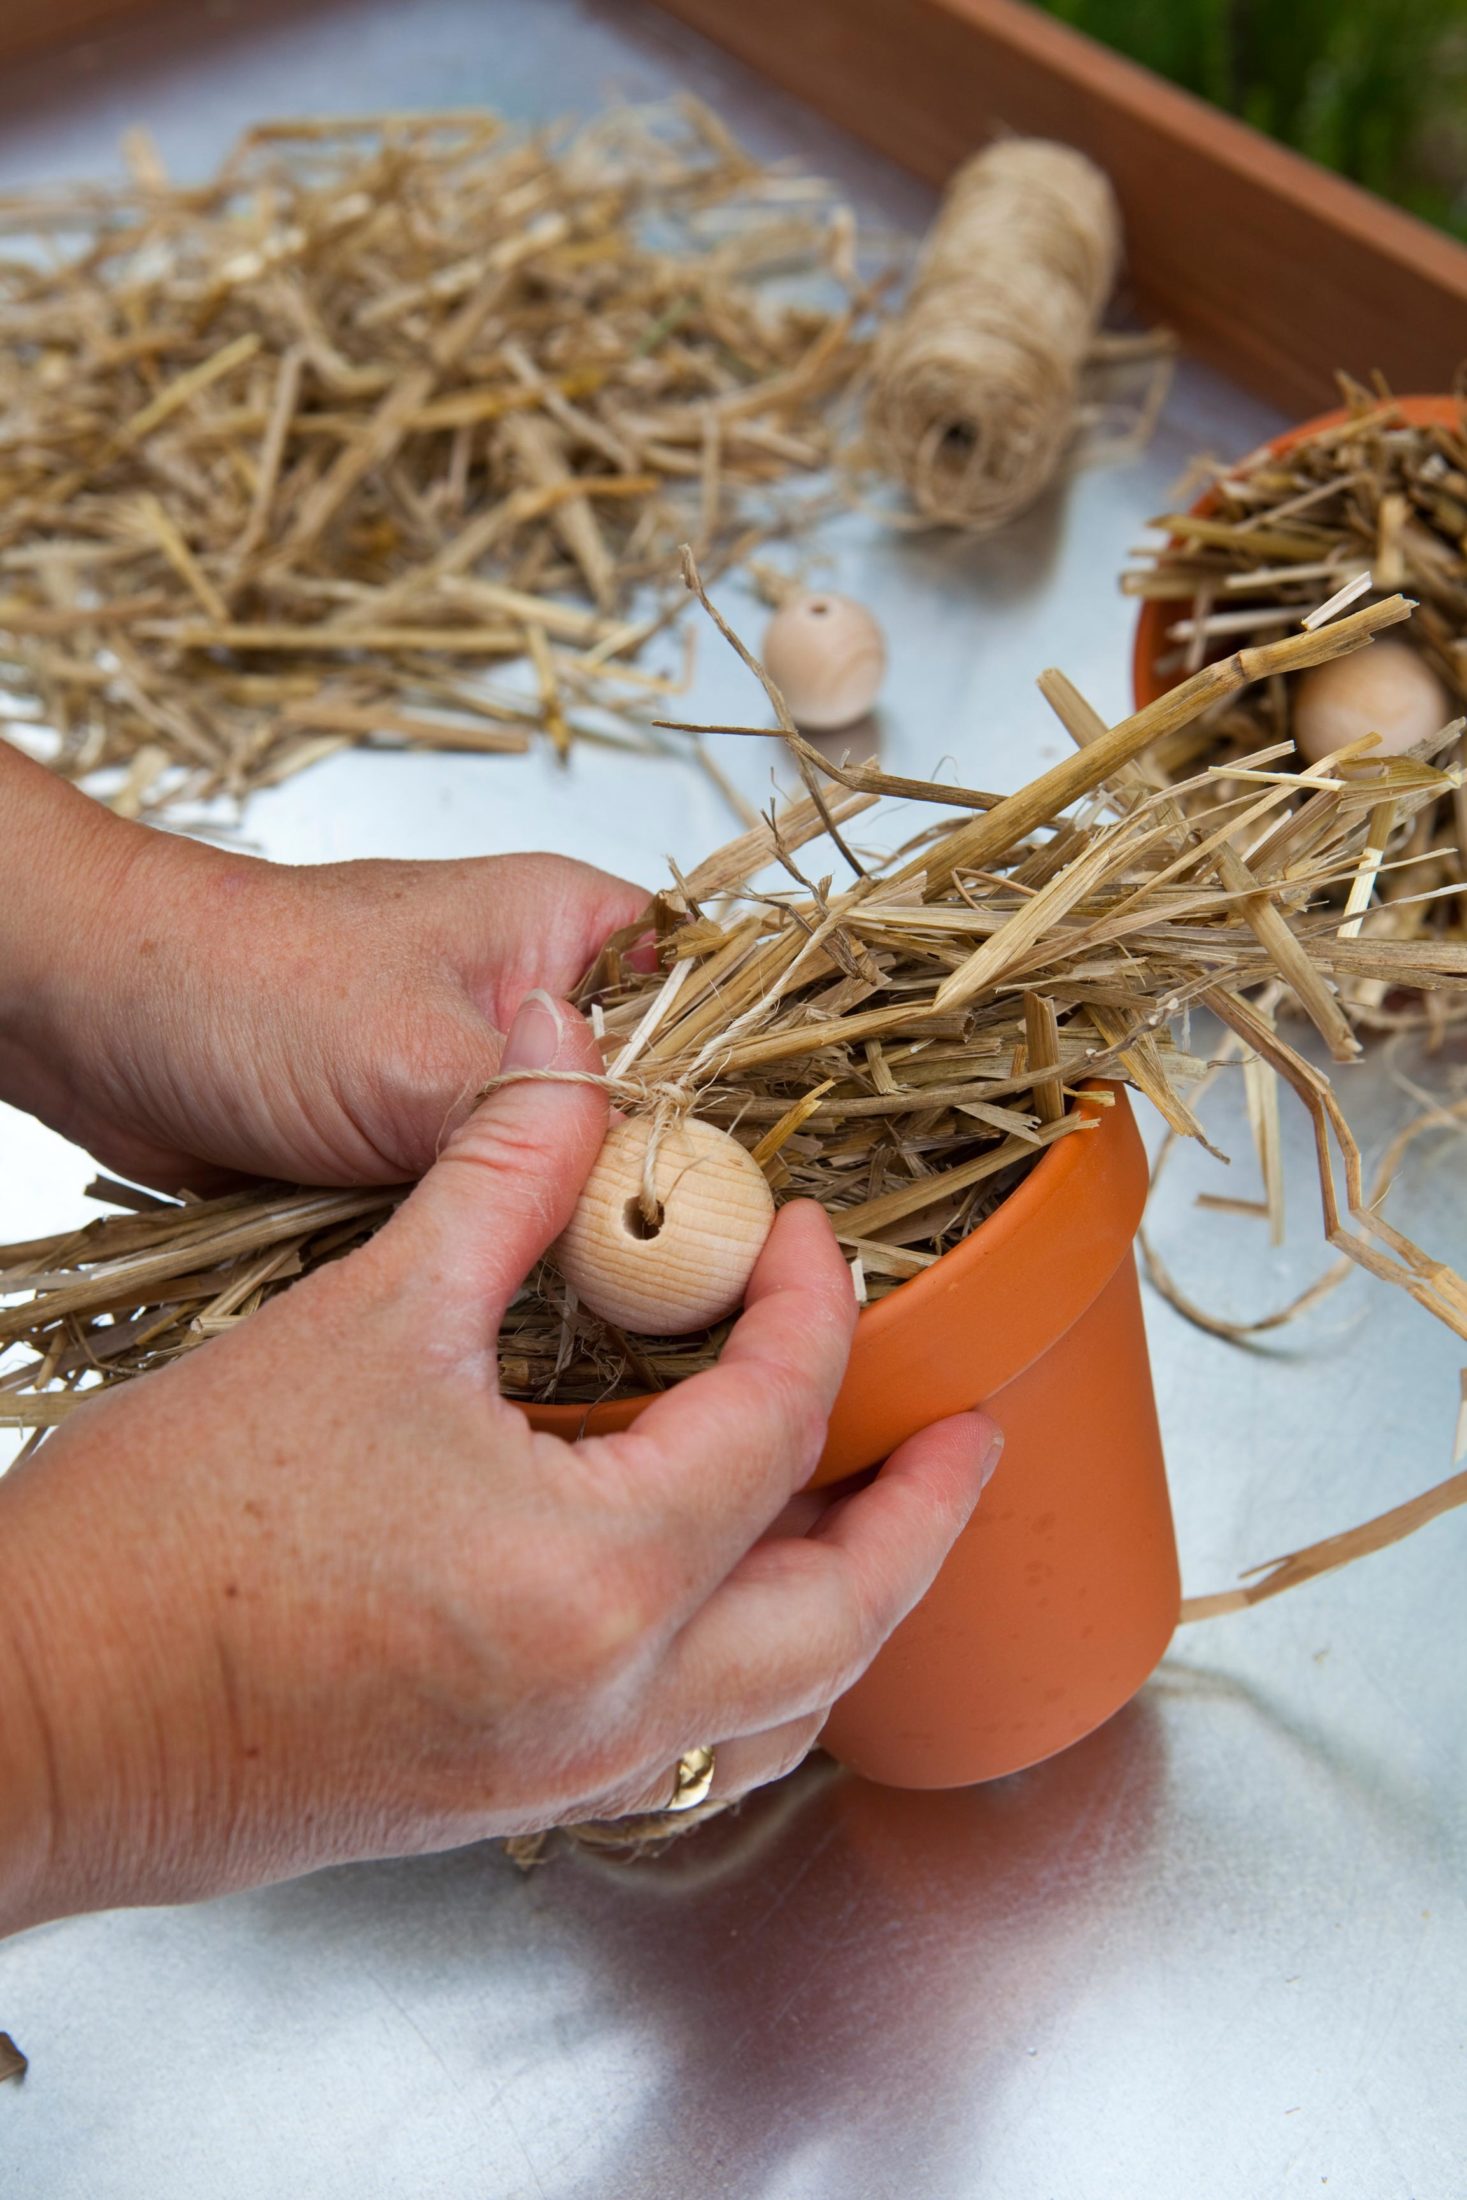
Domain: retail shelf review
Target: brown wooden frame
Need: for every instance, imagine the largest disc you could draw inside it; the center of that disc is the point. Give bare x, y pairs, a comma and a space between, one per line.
1266, 265
31, 26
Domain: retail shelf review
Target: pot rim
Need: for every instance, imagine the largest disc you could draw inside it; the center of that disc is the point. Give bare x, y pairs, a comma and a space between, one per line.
1423, 410
1049, 1180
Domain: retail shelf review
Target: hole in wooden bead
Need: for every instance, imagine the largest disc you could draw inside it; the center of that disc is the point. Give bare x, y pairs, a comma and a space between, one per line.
819, 610
686, 1262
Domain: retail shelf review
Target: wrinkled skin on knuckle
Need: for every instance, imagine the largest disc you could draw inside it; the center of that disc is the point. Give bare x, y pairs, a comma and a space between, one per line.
866, 1616
523, 1173
770, 1429
852, 1624
619, 1476
797, 1414
832, 1307
407, 1099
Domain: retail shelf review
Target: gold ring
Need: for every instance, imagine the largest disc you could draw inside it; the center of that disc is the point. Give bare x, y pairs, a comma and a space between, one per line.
692, 1778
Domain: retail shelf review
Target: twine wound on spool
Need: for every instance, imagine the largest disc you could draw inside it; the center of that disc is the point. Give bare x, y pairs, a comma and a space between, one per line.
976, 382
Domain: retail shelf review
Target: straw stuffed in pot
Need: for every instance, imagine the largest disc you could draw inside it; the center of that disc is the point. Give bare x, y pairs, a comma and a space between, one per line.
1338, 512
905, 1045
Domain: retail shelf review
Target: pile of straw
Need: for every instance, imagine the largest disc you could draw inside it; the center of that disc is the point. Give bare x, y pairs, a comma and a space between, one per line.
287, 460
1374, 504
900, 1047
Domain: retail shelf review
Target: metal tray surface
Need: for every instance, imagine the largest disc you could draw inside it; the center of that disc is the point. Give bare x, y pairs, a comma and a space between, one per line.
1217, 1951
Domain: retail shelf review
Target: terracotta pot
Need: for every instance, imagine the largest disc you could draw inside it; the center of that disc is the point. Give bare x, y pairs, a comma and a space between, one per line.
1151, 643
1062, 1593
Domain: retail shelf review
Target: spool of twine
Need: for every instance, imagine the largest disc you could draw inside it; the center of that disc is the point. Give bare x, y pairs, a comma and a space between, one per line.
976, 380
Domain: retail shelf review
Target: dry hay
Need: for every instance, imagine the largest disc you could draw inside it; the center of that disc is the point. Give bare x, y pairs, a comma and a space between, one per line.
900, 1047
289, 460
1372, 505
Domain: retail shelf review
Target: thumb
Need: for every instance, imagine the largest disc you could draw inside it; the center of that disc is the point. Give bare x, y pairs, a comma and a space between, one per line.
504, 1185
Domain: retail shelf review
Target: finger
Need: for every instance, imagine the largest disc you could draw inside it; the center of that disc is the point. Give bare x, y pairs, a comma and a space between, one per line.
800, 1619
505, 1184
747, 1762
548, 930
752, 1761
642, 955
167, 1168
710, 1463
805, 1510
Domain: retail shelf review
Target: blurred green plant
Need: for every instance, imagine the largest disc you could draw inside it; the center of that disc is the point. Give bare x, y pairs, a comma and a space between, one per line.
1374, 88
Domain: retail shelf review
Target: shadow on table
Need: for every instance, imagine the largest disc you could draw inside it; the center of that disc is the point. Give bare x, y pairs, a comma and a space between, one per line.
1005, 567
835, 1969
842, 1991
849, 1966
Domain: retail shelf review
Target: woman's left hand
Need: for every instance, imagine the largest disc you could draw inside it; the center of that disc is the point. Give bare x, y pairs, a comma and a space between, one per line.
182, 1011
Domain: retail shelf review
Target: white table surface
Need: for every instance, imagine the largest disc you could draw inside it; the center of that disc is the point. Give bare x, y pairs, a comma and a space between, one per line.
1218, 1951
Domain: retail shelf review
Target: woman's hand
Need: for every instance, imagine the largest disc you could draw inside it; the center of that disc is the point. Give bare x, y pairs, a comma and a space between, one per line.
316, 1592
179, 1011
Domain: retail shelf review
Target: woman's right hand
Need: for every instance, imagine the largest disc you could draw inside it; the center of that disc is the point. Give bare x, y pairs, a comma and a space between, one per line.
316, 1592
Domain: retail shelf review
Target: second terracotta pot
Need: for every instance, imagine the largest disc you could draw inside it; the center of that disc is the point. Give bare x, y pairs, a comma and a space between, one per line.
1150, 644
1062, 1593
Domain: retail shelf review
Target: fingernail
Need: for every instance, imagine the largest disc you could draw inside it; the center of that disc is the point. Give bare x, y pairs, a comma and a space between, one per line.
534, 1036
990, 1458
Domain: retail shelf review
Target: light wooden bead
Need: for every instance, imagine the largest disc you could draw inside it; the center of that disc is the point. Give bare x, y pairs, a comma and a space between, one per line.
827, 657
1388, 689
691, 1270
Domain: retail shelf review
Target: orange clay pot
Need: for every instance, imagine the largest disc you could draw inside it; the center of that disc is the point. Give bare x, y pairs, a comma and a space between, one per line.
1151, 643
1061, 1594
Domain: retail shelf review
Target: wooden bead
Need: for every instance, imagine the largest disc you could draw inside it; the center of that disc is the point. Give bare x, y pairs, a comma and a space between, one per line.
827, 657
1388, 689
689, 1268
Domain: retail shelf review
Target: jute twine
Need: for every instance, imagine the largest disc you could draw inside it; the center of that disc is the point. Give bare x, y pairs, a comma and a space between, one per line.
976, 380
665, 1102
